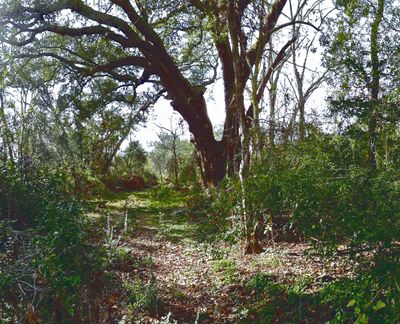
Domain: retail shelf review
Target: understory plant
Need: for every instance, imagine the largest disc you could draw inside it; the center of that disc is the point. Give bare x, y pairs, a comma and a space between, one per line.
49, 257
325, 190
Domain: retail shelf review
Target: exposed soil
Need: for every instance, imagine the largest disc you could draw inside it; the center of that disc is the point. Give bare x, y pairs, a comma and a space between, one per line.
194, 285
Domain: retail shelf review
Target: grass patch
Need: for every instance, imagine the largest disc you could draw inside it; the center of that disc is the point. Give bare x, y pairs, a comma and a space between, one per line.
158, 210
141, 296
290, 303
226, 271
270, 261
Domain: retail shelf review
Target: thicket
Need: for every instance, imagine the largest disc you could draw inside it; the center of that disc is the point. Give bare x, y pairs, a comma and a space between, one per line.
46, 259
340, 191
323, 191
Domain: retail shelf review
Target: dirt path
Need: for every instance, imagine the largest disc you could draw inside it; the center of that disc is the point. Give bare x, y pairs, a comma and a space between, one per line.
184, 280
188, 288
202, 283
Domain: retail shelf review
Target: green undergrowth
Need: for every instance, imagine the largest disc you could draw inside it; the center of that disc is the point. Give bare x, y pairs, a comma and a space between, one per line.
162, 211
362, 299
46, 250
344, 300
226, 271
167, 214
141, 297
285, 302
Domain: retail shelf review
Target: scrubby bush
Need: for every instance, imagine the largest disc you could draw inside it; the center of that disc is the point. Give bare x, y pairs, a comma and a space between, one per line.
48, 255
325, 190
370, 296
162, 193
216, 211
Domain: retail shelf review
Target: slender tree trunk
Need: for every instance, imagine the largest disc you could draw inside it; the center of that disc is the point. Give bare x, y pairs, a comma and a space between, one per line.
375, 85
301, 100
7, 135
272, 113
302, 118
176, 164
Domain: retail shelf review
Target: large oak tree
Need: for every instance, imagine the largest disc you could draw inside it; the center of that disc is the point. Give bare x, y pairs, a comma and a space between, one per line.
172, 46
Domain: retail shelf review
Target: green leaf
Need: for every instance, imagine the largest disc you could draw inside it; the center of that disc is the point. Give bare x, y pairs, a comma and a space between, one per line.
363, 319
351, 303
379, 305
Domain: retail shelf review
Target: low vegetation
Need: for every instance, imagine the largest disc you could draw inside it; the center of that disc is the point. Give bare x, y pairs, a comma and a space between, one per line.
288, 212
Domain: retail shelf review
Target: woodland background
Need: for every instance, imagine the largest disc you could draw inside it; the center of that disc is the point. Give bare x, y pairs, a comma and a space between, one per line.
288, 212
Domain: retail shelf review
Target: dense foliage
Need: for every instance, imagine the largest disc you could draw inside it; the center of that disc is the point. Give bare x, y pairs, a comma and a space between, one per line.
84, 206
45, 248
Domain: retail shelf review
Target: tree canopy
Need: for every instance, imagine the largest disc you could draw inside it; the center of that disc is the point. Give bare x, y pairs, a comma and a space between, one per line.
97, 226
173, 47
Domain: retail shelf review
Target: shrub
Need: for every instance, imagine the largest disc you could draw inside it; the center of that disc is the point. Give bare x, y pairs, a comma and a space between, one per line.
325, 189
162, 193
55, 262
369, 296
133, 183
141, 296
216, 211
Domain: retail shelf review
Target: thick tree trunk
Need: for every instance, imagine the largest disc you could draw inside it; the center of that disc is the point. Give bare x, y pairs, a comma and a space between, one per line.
231, 139
199, 164
212, 152
214, 160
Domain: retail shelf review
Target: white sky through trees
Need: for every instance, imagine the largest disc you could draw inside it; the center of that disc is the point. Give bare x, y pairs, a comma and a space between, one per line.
162, 111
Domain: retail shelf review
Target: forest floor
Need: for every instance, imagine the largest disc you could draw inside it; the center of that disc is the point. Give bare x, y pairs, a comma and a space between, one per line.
167, 273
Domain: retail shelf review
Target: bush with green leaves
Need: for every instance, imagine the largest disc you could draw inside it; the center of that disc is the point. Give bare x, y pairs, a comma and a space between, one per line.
369, 296
50, 258
216, 211
142, 296
325, 188
282, 302
162, 193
